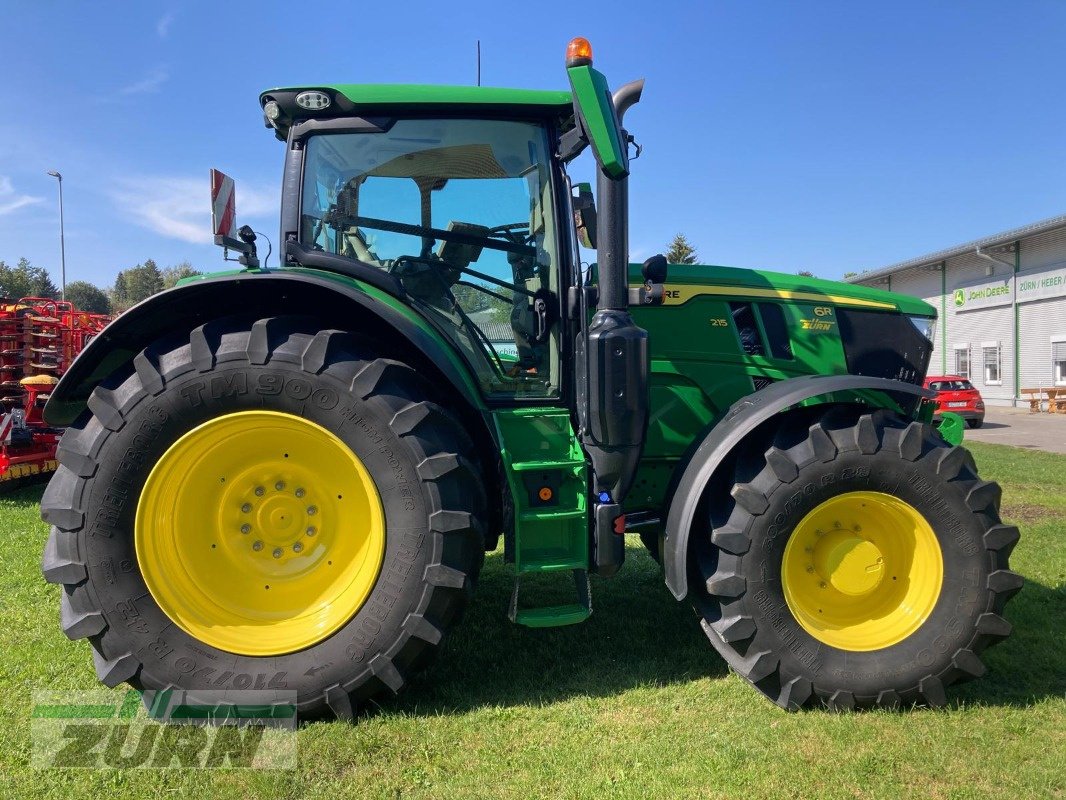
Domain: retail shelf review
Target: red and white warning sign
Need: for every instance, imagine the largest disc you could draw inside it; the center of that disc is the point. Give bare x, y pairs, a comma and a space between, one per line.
223, 204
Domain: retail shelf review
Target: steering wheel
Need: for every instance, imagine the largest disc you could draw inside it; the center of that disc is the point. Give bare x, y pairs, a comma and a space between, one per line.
514, 232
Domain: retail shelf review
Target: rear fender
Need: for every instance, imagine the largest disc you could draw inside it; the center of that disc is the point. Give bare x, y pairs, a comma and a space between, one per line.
335, 303
742, 419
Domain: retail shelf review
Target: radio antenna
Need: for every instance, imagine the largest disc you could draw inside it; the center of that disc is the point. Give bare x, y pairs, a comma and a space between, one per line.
478, 62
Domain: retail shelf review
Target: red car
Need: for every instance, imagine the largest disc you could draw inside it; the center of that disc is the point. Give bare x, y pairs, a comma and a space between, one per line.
957, 395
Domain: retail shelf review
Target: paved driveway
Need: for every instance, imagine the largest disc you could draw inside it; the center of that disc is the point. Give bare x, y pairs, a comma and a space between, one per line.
1016, 426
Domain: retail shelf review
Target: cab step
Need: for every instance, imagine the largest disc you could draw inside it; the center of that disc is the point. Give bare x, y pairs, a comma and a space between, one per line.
557, 615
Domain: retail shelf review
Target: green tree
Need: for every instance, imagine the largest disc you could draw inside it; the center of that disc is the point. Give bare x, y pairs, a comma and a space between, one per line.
25, 280
136, 284
87, 297
119, 293
40, 282
805, 273
680, 251
850, 275
171, 275
12, 284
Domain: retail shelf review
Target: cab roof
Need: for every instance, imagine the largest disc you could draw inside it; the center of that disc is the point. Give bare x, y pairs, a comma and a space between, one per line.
381, 96
385, 99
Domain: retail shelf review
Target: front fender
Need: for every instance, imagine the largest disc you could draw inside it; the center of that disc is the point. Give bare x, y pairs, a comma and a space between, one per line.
338, 302
743, 417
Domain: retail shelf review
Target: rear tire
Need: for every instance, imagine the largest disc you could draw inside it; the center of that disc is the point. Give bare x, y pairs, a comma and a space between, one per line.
421, 461
740, 580
975, 423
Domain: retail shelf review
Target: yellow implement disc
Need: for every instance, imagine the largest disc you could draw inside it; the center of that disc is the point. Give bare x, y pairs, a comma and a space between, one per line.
260, 533
862, 571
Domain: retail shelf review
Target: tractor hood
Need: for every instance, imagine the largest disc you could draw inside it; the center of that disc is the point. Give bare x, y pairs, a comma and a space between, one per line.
686, 281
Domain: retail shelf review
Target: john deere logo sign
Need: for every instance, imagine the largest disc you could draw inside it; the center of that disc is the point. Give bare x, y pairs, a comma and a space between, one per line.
1036, 284
989, 292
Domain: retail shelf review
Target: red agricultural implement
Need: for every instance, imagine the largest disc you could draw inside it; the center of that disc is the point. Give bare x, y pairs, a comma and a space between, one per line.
39, 338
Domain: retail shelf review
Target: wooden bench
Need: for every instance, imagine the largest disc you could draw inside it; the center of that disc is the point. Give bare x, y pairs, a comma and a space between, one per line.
1056, 400
1035, 398
1054, 395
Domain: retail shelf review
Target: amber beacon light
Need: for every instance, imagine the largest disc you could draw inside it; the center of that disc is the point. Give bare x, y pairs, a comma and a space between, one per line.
579, 52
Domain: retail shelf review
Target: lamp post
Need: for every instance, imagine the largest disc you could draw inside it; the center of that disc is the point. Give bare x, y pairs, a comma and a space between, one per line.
62, 243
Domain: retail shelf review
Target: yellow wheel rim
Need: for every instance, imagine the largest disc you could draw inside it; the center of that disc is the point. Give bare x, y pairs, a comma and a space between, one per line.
260, 533
862, 571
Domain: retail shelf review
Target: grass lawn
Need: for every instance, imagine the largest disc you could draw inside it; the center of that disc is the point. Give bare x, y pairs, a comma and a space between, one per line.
633, 703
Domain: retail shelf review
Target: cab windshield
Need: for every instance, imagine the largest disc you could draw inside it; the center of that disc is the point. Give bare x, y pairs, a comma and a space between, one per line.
460, 210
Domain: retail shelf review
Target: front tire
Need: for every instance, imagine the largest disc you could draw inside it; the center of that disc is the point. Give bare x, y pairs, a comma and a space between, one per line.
261, 506
862, 563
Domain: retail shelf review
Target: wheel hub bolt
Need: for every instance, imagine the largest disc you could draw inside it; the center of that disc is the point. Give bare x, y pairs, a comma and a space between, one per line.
821, 585
311, 531
277, 552
246, 528
296, 548
810, 569
246, 508
259, 491
279, 485
257, 545
300, 492
312, 510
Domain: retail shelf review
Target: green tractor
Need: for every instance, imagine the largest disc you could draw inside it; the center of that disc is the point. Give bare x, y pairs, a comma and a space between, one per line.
287, 479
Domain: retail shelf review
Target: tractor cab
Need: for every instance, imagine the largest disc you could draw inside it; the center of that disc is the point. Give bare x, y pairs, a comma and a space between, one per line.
454, 195
461, 211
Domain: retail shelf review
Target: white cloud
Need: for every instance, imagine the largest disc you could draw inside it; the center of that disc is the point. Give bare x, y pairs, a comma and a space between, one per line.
163, 26
180, 208
149, 84
10, 200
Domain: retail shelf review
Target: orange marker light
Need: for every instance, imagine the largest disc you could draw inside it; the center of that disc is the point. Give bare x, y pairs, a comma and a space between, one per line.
579, 52
545, 494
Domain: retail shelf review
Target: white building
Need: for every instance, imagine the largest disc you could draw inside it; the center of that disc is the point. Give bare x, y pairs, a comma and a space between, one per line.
1002, 305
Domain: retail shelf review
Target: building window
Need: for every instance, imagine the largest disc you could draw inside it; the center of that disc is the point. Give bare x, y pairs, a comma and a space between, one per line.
991, 351
1058, 360
962, 360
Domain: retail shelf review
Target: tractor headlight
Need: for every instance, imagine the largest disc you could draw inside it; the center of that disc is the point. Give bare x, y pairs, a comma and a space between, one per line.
926, 326
271, 114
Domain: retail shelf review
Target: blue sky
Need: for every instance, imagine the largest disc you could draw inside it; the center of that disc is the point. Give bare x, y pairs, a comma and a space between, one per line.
828, 136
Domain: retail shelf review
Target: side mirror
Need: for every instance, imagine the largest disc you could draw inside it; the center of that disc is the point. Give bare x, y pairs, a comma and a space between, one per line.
585, 216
